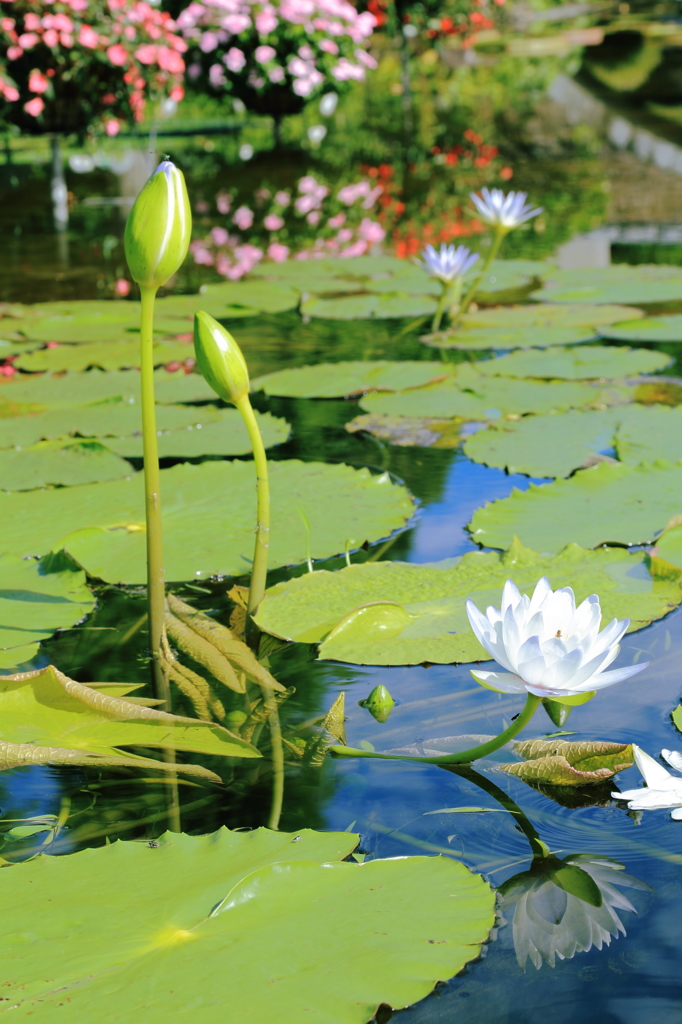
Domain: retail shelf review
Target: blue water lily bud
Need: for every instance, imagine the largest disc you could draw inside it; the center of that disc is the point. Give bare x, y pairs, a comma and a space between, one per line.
379, 703
159, 227
220, 359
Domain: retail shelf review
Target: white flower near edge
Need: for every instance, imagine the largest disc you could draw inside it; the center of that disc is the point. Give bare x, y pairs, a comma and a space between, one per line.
663, 791
501, 211
448, 263
548, 647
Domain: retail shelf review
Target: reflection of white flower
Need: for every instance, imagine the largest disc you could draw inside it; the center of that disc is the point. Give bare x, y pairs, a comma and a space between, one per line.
448, 263
549, 647
663, 789
549, 922
501, 211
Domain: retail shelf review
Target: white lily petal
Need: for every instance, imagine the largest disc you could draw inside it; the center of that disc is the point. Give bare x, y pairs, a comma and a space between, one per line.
480, 624
676, 814
616, 675
674, 758
504, 682
654, 773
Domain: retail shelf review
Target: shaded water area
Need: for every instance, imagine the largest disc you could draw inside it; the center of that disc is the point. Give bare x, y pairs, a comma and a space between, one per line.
399, 808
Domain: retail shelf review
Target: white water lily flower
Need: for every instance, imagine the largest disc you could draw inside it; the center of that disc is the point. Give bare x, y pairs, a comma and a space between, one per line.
501, 211
549, 647
663, 789
448, 263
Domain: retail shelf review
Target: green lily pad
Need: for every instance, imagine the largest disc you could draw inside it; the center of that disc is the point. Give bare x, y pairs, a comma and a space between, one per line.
366, 306
339, 380
208, 516
548, 316
224, 434
653, 328
646, 433
59, 462
615, 284
408, 431
610, 503
470, 395
586, 363
231, 299
569, 763
36, 599
395, 613
47, 709
172, 914
106, 355
549, 446
61, 391
507, 337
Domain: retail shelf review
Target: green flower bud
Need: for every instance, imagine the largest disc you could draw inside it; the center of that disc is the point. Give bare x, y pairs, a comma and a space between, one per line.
159, 227
379, 703
220, 358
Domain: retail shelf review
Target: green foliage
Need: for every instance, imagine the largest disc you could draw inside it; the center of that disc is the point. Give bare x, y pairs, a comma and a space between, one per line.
506, 337
395, 613
655, 328
223, 434
114, 355
618, 283
172, 914
569, 763
339, 380
586, 363
59, 462
36, 599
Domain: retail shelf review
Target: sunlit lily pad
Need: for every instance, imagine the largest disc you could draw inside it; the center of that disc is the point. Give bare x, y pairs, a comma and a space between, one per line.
395, 613
646, 433
224, 434
615, 284
654, 328
59, 462
588, 362
507, 337
36, 599
608, 503
367, 305
337, 380
548, 316
173, 914
231, 299
409, 432
106, 356
63, 390
569, 763
208, 512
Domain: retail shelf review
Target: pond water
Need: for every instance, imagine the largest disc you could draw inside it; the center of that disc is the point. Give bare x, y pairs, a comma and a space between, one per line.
399, 808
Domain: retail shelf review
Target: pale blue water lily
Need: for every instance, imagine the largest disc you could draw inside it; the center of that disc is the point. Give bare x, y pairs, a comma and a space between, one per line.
548, 647
449, 262
663, 791
504, 212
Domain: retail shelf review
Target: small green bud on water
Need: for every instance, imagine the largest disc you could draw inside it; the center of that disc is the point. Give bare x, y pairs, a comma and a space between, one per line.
159, 227
379, 703
220, 359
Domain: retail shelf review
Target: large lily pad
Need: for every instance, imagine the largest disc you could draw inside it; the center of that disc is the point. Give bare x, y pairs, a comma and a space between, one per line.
507, 337
338, 380
47, 709
608, 503
584, 363
230, 299
46, 390
654, 328
615, 284
569, 763
371, 305
105, 355
59, 462
646, 433
224, 434
208, 515
173, 915
395, 613
548, 316
36, 599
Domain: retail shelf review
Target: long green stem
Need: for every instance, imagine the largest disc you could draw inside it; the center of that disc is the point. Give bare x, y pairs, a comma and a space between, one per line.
464, 756
156, 592
259, 569
494, 249
440, 308
526, 826
277, 761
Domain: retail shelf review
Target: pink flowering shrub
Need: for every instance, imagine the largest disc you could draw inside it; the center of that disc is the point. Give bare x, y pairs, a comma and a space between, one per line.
69, 65
309, 222
274, 56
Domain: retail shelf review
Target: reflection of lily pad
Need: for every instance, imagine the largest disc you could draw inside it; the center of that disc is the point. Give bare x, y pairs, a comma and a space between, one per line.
507, 337
173, 914
586, 363
655, 328
225, 434
394, 613
337, 380
569, 763
36, 599
409, 432
615, 284
107, 356
59, 462
608, 503
208, 514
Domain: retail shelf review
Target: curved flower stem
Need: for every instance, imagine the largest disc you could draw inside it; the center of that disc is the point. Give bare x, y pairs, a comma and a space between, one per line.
464, 756
259, 569
156, 593
488, 786
449, 296
494, 249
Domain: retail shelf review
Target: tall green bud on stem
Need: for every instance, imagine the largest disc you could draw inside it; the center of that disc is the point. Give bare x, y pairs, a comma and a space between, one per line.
157, 238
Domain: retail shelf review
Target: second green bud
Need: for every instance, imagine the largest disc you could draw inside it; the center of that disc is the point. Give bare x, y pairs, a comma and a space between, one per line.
220, 359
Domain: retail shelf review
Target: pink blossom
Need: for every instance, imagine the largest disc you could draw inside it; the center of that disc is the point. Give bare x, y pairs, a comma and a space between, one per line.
371, 198
51, 37
209, 42
177, 93
145, 54
219, 236
88, 37
276, 74
27, 40
170, 60
313, 217
112, 127
266, 21
66, 39
31, 22
366, 58
223, 202
117, 55
305, 52
201, 254
34, 107
235, 60
350, 193
272, 222
236, 23
243, 218
329, 46
308, 185
14, 52
344, 70
338, 221
278, 253
263, 54
282, 198
371, 230
63, 23
122, 287
344, 235
356, 249
216, 75
37, 82
10, 93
